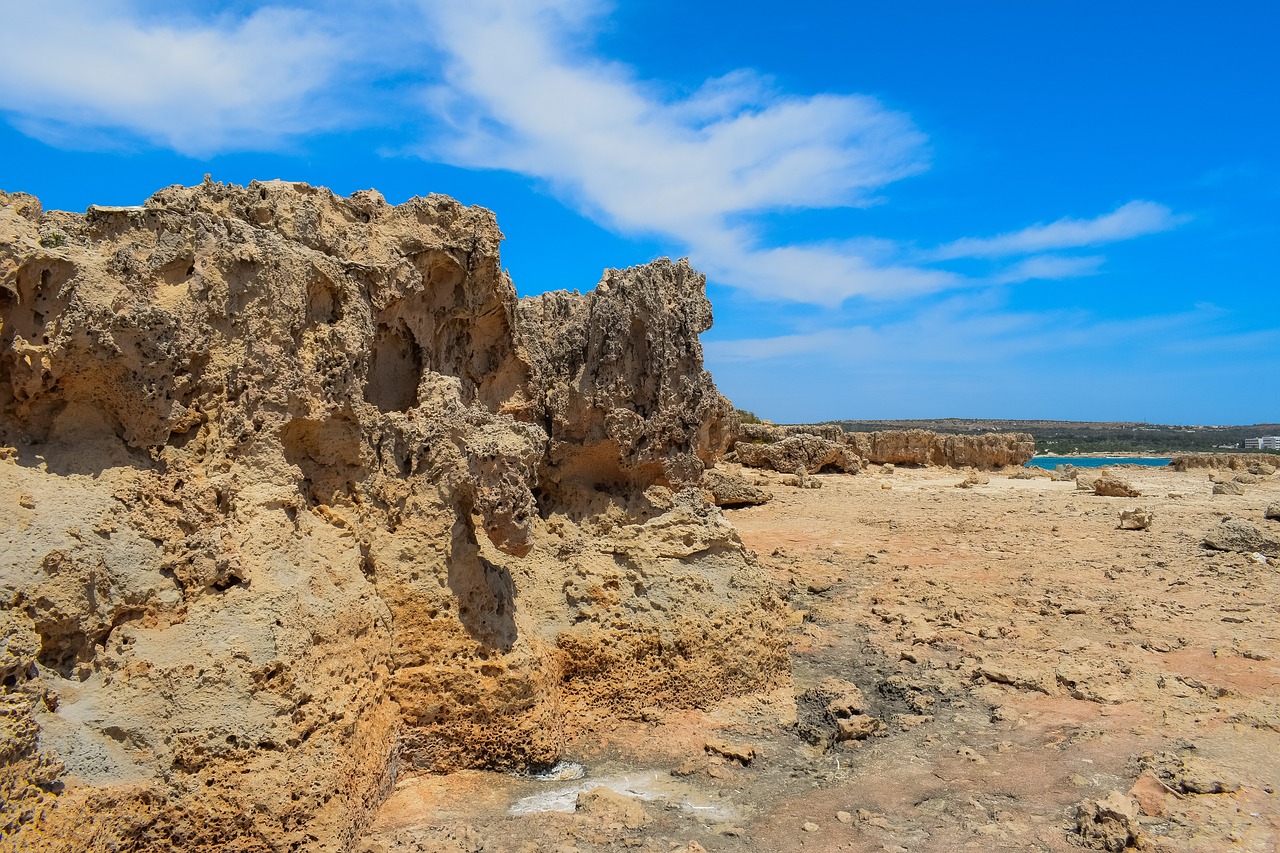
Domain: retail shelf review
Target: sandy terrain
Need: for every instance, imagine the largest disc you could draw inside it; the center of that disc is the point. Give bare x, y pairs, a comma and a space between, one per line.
1022, 653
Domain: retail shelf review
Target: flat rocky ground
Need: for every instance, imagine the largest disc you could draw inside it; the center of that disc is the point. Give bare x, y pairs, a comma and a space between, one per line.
1020, 653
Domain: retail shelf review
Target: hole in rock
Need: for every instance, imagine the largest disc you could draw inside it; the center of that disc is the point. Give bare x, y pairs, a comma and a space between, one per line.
394, 371
224, 585
323, 302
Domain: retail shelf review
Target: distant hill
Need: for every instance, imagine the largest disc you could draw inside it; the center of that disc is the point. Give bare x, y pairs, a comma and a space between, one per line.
1089, 436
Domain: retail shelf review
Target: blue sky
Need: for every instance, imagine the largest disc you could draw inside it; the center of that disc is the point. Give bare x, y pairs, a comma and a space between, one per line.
905, 210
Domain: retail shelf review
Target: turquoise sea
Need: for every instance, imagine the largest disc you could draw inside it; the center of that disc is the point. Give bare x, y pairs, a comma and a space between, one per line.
1051, 462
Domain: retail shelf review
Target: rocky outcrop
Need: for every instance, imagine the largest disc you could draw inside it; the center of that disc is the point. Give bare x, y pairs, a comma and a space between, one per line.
617, 380
1254, 463
804, 453
922, 447
827, 446
296, 495
771, 433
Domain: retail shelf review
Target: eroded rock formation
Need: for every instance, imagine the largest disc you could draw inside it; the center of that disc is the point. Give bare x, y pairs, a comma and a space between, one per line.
1255, 463
818, 447
295, 494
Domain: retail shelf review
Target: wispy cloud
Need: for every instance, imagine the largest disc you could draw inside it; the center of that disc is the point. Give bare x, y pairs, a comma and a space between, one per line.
195, 86
968, 356
960, 331
494, 84
1135, 219
691, 169
1050, 268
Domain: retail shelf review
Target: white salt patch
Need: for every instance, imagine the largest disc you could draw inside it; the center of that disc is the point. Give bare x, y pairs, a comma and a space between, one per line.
650, 786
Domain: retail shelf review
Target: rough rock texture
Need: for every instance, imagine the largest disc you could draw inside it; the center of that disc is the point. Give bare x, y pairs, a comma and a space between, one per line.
250, 438
922, 447
809, 454
834, 710
1272, 511
1254, 463
770, 433
1235, 534
1230, 488
1110, 486
769, 446
733, 490
1136, 519
1110, 823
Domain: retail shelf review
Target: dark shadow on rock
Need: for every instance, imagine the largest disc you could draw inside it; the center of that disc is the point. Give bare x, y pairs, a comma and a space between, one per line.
485, 593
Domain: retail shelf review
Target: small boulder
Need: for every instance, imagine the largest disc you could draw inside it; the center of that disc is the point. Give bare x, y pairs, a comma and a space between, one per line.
1235, 534
1109, 824
1247, 479
834, 710
1111, 486
1137, 518
857, 727
1227, 489
1273, 511
741, 753
733, 490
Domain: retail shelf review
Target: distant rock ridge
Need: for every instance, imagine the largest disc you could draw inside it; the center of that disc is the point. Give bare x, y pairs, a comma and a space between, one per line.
818, 447
296, 495
1254, 463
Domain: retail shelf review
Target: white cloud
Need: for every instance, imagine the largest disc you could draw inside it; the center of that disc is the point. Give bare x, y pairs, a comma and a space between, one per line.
1135, 219
76, 66
820, 274
968, 331
1050, 268
689, 169
498, 84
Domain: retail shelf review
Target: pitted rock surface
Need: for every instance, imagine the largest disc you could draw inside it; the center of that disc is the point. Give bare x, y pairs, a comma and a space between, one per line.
295, 496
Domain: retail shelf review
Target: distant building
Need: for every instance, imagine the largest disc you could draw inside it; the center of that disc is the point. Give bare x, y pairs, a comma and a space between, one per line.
1266, 442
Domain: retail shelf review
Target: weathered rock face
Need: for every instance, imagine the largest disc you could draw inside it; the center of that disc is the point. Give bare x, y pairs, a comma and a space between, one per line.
818, 446
1254, 463
770, 433
922, 447
617, 375
249, 441
804, 453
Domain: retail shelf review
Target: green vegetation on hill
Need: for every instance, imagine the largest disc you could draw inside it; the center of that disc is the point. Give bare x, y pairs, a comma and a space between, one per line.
1054, 437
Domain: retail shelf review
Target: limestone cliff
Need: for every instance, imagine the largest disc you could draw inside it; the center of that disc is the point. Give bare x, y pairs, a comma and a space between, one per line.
296, 495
